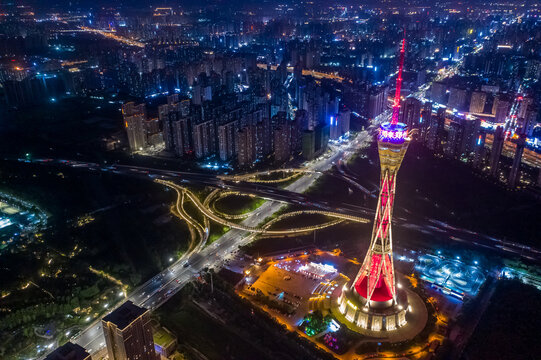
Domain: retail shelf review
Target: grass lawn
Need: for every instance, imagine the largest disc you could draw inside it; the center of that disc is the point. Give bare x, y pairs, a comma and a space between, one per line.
216, 231
238, 204
162, 337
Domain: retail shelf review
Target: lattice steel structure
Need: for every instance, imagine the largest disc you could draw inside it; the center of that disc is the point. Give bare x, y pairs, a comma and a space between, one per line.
376, 279
373, 301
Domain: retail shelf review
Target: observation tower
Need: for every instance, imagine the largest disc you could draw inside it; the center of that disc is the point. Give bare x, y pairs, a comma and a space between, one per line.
374, 301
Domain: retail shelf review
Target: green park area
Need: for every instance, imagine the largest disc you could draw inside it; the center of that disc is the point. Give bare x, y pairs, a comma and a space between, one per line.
216, 232
300, 221
237, 204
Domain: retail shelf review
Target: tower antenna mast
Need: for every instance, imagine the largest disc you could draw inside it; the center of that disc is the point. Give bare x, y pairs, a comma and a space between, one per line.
396, 103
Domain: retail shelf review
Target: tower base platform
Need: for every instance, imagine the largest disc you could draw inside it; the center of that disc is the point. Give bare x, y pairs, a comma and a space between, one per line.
398, 322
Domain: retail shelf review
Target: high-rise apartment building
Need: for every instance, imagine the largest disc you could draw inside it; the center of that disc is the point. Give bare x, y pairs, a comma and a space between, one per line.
457, 98
176, 124
227, 140
134, 121
246, 146
496, 152
425, 120
438, 92
282, 143
410, 112
204, 139
477, 102
128, 333
167, 114
263, 141
500, 109
377, 101
181, 136
514, 175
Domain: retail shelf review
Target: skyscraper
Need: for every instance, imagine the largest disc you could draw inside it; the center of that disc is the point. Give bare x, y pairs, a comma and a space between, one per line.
477, 102
454, 135
134, 121
246, 146
128, 333
425, 120
514, 175
435, 131
227, 140
263, 141
377, 101
438, 92
334, 127
530, 120
181, 136
204, 138
282, 143
308, 144
457, 98
411, 112
500, 109
496, 152
167, 113
479, 150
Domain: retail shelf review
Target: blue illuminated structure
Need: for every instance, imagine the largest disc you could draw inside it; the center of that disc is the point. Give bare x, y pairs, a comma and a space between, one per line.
393, 133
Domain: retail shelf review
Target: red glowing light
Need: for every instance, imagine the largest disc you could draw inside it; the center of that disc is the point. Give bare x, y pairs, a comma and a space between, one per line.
396, 104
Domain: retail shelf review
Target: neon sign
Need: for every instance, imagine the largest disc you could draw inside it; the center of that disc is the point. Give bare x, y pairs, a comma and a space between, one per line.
393, 132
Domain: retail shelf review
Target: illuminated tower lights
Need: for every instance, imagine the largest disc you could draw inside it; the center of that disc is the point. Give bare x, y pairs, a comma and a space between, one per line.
374, 301
396, 103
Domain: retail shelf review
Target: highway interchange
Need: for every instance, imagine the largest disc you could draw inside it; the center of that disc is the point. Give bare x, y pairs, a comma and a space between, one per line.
161, 287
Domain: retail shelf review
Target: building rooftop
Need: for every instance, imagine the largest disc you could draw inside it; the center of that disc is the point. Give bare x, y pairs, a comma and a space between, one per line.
163, 338
69, 351
125, 314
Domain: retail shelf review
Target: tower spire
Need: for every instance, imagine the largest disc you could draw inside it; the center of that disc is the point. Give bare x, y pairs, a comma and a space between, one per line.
396, 103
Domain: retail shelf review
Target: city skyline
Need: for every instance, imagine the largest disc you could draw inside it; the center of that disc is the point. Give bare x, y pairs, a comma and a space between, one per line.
270, 180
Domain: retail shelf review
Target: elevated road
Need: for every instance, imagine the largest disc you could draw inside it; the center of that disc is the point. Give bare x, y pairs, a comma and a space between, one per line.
205, 210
